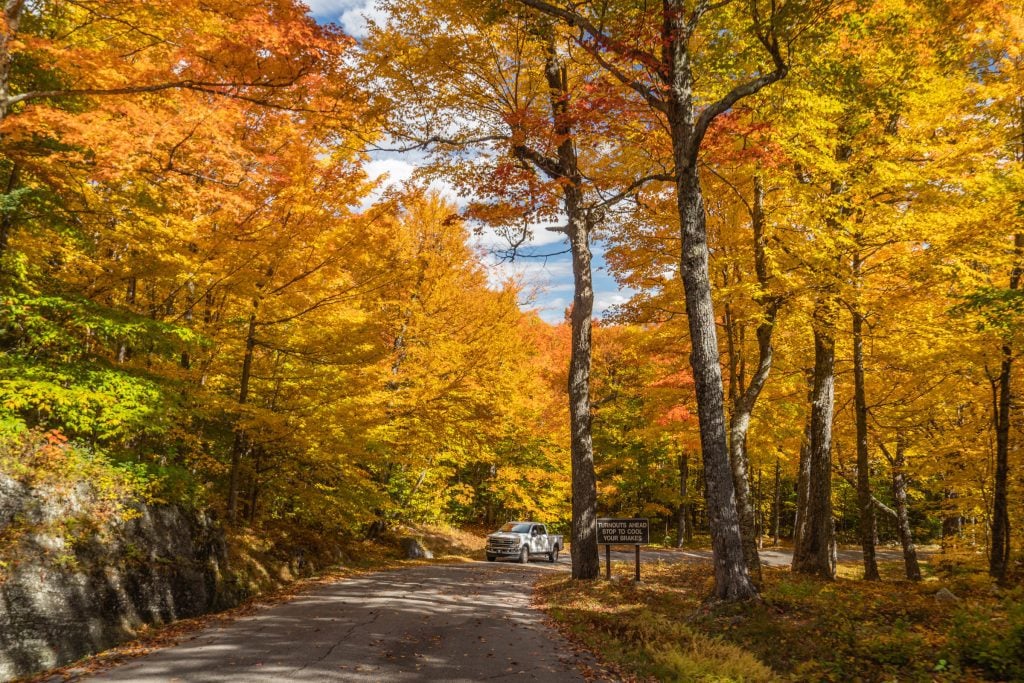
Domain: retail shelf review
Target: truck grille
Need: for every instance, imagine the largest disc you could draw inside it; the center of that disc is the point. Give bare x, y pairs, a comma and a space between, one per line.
502, 543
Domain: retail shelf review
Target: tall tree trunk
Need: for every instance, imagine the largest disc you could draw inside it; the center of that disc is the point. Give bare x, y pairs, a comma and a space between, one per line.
815, 551
732, 580
864, 503
777, 504
675, 99
240, 444
999, 549
746, 398
190, 295
952, 524
899, 490
584, 550
684, 531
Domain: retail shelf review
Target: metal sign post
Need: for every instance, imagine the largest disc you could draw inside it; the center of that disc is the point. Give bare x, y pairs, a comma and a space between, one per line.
635, 531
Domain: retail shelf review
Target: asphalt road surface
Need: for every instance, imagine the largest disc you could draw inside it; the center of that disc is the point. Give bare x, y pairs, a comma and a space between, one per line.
462, 622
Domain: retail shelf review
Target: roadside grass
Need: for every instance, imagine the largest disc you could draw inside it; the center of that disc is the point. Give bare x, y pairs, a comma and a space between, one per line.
803, 629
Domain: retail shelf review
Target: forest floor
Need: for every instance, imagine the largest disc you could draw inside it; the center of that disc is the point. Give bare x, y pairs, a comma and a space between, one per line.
803, 629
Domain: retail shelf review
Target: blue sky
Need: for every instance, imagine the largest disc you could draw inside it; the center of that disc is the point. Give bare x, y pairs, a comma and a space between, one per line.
546, 282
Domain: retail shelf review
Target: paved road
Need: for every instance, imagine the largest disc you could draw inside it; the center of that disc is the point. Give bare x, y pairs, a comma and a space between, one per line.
466, 622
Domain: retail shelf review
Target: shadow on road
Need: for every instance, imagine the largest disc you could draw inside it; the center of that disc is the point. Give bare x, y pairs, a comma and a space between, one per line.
467, 622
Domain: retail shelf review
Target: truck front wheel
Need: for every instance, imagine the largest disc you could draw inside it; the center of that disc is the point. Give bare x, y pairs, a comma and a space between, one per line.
553, 555
524, 555
491, 558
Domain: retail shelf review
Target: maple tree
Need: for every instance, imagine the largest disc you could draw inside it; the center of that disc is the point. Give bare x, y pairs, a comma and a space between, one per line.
817, 206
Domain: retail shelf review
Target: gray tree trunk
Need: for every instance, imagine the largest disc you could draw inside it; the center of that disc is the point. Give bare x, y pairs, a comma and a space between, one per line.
746, 398
12, 17
815, 550
674, 98
777, 504
684, 528
565, 167
732, 581
864, 503
899, 490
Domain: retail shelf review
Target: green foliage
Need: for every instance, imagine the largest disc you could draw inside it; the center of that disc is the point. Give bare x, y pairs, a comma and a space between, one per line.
991, 637
996, 308
101, 405
65, 327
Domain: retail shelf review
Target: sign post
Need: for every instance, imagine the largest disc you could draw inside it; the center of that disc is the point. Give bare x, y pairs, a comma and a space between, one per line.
635, 532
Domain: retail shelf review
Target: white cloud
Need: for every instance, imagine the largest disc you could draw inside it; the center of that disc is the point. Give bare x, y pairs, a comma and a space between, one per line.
354, 20
320, 8
397, 170
492, 239
605, 300
350, 14
531, 273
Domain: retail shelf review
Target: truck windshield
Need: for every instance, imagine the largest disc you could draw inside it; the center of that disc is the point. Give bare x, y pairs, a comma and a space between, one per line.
516, 528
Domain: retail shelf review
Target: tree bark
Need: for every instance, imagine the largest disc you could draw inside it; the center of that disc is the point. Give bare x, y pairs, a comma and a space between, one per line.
732, 580
899, 490
952, 524
815, 550
584, 549
240, 444
131, 288
674, 98
777, 504
12, 20
746, 398
864, 503
999, 550
684, 530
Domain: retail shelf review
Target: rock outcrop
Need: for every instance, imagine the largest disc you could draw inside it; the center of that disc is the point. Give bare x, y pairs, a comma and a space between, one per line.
68, 591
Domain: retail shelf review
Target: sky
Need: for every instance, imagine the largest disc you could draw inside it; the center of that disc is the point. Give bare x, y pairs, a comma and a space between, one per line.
546, 282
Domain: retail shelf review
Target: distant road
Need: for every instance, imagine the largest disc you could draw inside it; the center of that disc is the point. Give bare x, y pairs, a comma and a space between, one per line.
771, 558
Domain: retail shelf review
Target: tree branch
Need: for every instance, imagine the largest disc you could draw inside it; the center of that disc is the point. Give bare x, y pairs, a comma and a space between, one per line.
770, 40
599, 40
549, 166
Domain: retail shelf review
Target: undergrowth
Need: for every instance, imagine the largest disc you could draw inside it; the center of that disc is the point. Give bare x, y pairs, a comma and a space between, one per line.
73, 492
803, 629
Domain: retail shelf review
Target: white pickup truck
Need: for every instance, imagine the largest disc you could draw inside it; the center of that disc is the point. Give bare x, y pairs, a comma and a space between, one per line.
521, 540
